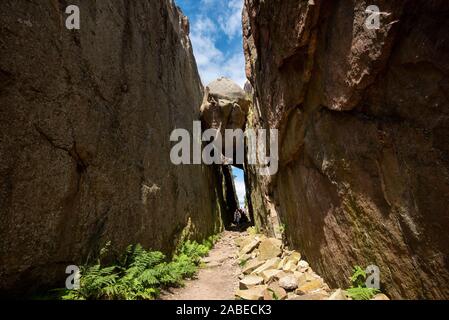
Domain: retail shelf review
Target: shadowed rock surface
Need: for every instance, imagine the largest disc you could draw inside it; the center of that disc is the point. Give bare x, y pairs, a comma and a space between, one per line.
85, 121
363, 118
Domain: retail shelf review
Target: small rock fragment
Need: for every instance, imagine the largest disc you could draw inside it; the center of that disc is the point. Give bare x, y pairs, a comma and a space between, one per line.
289, 282
295, 256
250, 281
244, 257
254, 254
270, 275
292, 296
301, 278
282, 262
270, 248
252, 265
270, 264
303, 265
250, 246
290, 265
311, 296
380, 296
255, 293
274, 292
338, 295
309, 286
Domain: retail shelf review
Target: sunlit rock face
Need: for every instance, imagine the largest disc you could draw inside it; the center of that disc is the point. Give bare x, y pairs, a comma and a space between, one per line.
363, 116
225, 106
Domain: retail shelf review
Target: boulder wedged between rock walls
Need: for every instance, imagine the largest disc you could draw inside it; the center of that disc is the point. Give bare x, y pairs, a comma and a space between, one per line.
225, 107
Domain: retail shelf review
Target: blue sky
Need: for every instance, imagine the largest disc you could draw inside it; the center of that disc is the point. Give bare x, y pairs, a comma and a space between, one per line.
216, 35
239, 183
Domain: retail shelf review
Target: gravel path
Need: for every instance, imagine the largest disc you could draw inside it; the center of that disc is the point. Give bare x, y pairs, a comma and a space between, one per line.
218, 280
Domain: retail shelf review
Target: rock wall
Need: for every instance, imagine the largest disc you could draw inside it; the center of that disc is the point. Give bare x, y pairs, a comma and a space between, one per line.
85, 121
363, 116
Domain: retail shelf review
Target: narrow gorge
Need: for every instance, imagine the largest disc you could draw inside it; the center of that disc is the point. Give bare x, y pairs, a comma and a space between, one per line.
362, 167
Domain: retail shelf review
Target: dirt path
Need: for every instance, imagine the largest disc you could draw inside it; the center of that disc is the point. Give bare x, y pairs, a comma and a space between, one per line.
218, 280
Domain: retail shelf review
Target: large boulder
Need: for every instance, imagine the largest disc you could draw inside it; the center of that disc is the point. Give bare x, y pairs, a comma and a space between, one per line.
225, 106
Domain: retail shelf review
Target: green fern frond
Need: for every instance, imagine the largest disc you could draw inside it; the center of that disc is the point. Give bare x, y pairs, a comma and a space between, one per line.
139, 274
358, 277
361, 293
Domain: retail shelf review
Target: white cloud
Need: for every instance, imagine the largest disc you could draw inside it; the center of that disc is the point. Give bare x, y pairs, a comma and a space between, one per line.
240, 190
231, 21
203, 39
235, 68
212, 62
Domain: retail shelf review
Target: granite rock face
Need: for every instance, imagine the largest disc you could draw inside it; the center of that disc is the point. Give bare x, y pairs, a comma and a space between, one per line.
225, 107
363, 116
85, 121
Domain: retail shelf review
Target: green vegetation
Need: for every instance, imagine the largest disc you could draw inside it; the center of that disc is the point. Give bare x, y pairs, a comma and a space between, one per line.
251, 230
362, 293
281, 229
358, 290
139, 274
273, 294
243, 262
358, 277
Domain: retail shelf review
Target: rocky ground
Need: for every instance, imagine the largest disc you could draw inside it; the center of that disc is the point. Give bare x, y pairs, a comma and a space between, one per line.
272, 272
255, 267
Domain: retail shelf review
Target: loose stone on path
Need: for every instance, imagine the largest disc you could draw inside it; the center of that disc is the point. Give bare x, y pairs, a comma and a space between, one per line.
272, 272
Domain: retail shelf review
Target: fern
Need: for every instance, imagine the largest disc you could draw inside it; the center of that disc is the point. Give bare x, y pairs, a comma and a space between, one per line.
150, 278
358, 277
139, 274
194, 250
184, 266
358, 290
362, 293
